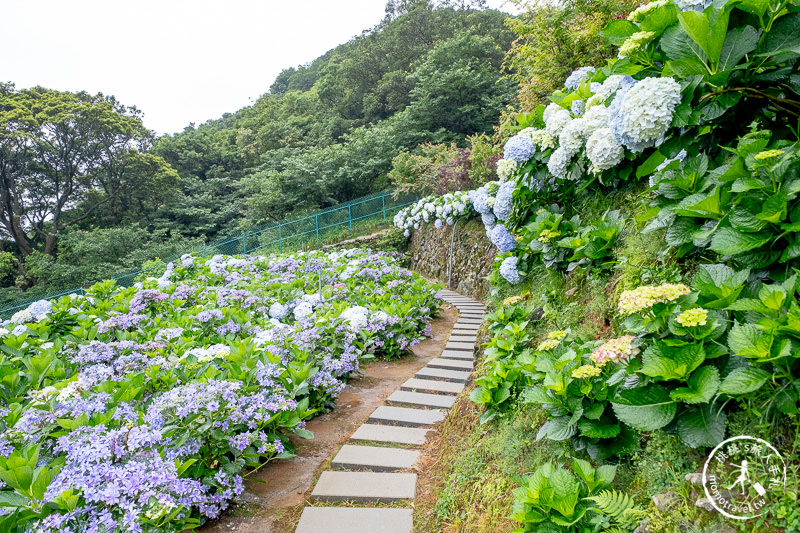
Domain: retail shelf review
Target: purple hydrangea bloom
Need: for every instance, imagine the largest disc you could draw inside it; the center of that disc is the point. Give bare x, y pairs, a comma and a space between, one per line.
504, 200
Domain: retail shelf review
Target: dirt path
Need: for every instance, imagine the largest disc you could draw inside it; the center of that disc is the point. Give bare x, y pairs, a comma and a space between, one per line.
270, 506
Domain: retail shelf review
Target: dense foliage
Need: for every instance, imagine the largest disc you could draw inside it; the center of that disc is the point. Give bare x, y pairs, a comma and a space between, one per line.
701, 107
141, 409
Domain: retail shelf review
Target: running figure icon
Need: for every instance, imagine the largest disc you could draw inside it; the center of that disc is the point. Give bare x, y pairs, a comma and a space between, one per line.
744, 475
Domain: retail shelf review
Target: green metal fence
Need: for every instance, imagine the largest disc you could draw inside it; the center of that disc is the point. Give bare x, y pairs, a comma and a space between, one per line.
311, 231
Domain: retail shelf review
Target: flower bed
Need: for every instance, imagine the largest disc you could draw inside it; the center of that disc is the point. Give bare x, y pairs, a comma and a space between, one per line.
139, 409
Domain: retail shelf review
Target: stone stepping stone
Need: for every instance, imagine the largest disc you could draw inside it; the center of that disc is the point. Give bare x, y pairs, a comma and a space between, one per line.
355, 520
435, 387
394, 434
450, 364
471, 315
422, 399
405, 416
374, 458
443, 375
460, 346
469, 321
364, 487
458, 337
471, 305
465, 329
457, 354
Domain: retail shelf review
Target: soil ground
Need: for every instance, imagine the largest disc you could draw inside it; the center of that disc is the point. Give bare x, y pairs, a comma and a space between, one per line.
275, 496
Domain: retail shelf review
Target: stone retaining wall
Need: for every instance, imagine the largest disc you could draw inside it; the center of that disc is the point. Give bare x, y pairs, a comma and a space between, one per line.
473, 256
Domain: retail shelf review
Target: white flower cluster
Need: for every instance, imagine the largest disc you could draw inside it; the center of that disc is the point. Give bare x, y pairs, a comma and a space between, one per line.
356, 317
437, 209
540, 138
506, 169
641, 114
603, 150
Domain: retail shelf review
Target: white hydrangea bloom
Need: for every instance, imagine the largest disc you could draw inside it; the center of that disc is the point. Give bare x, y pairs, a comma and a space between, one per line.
557, 121
603, 150
648, 108
302, 310
571, 137
609, 87
541, 138
22, 317
557, 165
506, 168
594, 119
693, 5
548, 112
278, 311
355, 316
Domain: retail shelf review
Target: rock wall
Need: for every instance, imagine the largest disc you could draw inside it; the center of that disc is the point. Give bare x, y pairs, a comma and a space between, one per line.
473, 256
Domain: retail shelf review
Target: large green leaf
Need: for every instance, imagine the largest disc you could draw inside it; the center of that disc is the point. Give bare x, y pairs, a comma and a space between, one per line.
775, 208
783, 37
738, 43
749, 341
728, 241
618, 31
743, 381
707, 29
597, 429
559, 428
566, 491
677, 45
702, 386
645, 408
701, 426
672, 362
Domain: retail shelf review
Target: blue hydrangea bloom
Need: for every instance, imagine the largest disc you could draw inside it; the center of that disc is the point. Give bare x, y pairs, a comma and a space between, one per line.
508, 269
519, 148
501, 238
40, 308
577, 108
574, 80
479, 197
488, 220
617, 125
504, 200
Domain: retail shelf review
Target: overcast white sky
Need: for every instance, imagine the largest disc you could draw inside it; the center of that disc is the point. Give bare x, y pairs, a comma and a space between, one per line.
179, 61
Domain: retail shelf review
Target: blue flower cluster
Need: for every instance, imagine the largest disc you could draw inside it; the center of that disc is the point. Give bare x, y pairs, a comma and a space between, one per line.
504, 200
504, 240
508, 269
519, 148
574, 80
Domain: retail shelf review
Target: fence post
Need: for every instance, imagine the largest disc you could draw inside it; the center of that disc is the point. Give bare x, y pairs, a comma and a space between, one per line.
350, 216
316, 223
280, 242
244, 244
383, 206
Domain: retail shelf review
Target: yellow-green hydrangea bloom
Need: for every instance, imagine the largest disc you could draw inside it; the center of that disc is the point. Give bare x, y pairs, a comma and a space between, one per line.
546, 235
647, 296
693, 317
560, 334
635, 43
548, 345
586, 371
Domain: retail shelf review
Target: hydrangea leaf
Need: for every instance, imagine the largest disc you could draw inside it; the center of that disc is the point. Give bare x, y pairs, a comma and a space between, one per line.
645, 408
743, 381
728, 241
749, 341
700, 426
672, 362
783, 37
702, 386
738, 43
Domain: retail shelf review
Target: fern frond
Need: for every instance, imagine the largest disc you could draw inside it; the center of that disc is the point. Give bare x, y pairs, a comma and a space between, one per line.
612, 503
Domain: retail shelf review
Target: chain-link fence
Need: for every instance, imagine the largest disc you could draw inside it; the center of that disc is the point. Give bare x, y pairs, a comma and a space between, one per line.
312, 231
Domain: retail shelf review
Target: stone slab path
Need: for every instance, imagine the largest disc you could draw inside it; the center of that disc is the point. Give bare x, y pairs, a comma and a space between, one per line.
376, 466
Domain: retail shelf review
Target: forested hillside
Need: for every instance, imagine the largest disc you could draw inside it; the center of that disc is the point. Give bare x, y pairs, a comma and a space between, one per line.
87, 189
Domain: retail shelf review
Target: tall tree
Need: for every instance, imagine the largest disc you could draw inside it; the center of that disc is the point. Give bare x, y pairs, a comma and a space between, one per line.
63, 156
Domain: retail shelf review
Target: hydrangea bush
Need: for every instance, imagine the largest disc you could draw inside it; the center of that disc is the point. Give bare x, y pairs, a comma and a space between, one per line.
438, 210
142, 408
